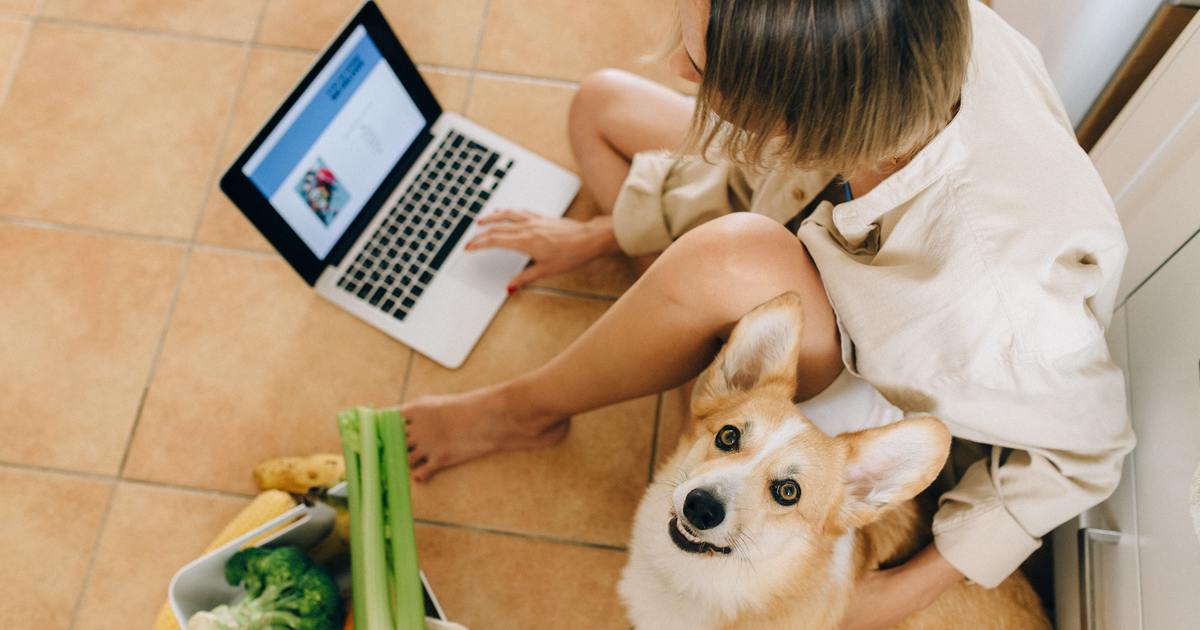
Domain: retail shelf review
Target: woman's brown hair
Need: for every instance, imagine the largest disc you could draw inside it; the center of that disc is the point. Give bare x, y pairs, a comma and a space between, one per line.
829, 84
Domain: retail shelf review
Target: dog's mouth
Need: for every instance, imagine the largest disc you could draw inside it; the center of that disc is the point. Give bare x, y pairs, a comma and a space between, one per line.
683, 538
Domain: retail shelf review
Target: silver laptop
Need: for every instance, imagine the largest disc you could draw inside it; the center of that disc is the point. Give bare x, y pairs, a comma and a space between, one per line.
370, 191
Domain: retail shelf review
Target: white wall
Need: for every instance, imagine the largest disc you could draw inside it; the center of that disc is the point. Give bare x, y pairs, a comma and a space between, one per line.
1083, 41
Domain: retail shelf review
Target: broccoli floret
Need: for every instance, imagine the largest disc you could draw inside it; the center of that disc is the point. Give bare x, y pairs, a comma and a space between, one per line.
284, 590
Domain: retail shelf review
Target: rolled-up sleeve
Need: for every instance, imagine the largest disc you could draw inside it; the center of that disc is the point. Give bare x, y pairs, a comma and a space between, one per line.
1059, 431
665, 195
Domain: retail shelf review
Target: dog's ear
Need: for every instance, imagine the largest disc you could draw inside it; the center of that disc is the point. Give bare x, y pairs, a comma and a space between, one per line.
891, 464
763, 349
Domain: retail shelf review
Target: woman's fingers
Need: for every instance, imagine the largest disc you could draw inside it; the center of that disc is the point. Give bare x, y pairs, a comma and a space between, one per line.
505, 214
503, 240
532, 273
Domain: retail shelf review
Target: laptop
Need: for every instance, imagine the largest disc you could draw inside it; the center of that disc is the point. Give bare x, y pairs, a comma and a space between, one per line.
370, 191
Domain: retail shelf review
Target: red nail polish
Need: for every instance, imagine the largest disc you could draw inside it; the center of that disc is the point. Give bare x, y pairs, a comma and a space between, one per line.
511, 289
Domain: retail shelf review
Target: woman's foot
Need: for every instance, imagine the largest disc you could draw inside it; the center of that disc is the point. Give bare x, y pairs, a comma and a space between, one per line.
445, 431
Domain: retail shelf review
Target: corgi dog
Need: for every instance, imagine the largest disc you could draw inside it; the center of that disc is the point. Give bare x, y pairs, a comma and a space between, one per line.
761, 520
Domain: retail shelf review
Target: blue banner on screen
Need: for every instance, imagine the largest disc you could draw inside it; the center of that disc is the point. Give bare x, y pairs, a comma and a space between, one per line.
335, 146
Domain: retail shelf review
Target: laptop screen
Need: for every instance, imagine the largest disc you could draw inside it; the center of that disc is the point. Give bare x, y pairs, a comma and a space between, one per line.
331, 151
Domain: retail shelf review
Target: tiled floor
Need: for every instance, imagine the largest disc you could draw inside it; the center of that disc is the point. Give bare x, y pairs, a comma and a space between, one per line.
155, 348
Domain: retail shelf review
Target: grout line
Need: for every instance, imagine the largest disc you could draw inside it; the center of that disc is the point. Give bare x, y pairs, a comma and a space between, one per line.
61, 472
433, 67
162, 485
412, 358
230, 249
658, 407
528, 78
584, 295
113, 479
487, 10
523, 535
18, 60
133, 30
42, 224
86, 584
185, 263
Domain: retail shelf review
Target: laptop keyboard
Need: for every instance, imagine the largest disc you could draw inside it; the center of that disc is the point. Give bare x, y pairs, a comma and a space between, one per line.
419, 232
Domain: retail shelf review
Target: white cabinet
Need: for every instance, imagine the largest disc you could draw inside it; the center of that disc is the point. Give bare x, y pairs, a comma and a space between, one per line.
1164, 374
1149, 576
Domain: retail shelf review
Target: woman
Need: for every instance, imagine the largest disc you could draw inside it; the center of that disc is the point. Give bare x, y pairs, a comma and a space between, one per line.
964, 261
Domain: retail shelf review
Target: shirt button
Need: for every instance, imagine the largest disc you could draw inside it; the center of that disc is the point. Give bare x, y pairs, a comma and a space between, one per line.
798, 194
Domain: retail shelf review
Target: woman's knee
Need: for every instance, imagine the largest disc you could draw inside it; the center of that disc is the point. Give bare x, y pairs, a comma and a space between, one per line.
742, 260
596, 95
743, 244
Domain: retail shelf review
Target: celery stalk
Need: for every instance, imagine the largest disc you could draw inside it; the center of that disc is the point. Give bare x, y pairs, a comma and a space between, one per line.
375, 560
408, 605
348, 428
383, 556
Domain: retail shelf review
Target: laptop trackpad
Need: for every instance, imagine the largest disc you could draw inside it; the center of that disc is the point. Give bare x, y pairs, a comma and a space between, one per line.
487, 268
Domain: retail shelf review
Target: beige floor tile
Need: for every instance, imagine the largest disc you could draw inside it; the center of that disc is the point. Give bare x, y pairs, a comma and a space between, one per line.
255, 365
583, 489
12, 40
81, 322
227, 19
533, 115
450, 89
270, 76
114, 129
567, 39
150, 533
443, 32
48, 526
27, 7
586, 488
490, 581
530, 329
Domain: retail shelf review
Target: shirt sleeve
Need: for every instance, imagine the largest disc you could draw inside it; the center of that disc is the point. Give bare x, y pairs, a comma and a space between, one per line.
1059, 431
664, 196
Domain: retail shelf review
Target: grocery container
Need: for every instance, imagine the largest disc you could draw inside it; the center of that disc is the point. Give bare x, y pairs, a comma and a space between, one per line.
200, 585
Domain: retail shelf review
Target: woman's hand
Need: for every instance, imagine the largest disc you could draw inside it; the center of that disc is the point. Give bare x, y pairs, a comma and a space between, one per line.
886, 597
555, 245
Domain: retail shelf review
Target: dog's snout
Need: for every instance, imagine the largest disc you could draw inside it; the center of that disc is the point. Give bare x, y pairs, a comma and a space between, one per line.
702, 509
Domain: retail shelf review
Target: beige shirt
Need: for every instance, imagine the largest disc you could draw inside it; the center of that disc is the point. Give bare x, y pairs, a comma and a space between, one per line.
974, 284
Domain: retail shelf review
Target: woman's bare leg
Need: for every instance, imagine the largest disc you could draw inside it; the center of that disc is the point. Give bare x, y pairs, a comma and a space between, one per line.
614, 116
660, 334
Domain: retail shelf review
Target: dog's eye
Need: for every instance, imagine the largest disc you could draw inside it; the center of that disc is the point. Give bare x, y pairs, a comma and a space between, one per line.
786, 492
728, 437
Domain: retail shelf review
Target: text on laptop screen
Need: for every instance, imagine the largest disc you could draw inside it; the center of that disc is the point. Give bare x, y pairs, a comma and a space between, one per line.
335, 146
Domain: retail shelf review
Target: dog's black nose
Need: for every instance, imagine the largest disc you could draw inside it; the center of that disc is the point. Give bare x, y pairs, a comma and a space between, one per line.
702, 509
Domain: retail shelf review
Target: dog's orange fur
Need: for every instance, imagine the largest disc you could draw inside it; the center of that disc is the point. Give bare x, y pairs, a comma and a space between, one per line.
883, 537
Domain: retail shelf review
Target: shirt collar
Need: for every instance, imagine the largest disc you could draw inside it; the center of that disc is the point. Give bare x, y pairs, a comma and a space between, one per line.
854, 218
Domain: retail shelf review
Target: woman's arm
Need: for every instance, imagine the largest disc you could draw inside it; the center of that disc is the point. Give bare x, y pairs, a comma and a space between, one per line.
886, 597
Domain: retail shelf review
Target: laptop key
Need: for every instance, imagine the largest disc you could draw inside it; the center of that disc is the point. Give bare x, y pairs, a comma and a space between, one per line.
378, 295
491, 162
389, 304
449, 243
365, 291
